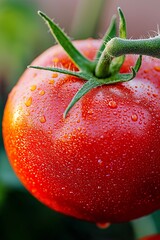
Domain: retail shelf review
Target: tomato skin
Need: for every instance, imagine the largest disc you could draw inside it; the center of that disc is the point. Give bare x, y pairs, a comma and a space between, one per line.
101, 163
153, 237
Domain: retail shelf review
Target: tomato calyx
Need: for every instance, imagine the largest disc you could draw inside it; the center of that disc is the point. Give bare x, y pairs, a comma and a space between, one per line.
104, 70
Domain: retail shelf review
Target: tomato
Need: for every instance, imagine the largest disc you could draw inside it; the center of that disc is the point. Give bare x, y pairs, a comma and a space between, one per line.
101, 162
153, 237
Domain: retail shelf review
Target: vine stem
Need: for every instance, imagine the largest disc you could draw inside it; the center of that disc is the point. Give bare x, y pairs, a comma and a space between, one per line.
144, 226
118, 46
103, 64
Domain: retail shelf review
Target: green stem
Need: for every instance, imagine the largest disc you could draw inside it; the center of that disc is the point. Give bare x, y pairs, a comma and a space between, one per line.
111, 33
103, 68
144, 226
103, 65
118, 46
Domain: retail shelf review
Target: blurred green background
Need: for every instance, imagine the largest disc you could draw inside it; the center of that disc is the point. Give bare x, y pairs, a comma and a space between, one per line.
22, 216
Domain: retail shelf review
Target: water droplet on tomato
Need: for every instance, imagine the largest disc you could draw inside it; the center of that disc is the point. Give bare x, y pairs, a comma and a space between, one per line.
33, 87
112, 104
78, 169
146, 71
27, 113
90, 111
51, 81
103, 225
41, 92
54, 75
28, 102
42, 119
35, 74
100, 161
55, 60
134, 117
157, 68
155, 95
34, 190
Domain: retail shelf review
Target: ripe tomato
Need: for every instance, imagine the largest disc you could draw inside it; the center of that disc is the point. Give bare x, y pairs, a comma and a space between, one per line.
153, 237
100, 163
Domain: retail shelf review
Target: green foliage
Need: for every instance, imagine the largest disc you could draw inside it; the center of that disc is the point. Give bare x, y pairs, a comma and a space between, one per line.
20, 31
22, 217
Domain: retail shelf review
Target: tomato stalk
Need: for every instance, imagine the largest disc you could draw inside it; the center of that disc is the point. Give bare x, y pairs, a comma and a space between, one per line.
118, 46
105, 69
104, 65
101, 71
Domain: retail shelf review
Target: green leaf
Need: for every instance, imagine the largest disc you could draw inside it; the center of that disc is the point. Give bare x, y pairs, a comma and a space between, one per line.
122, 24
117, 63
79, 74
138, 63
80, 61
111, 32
85, 89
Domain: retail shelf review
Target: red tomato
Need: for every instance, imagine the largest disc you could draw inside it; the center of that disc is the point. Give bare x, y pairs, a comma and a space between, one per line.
153, 237
100, 163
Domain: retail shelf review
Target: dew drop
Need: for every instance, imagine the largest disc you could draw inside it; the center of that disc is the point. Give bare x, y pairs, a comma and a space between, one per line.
103, 225
157, 68
112, 104
134, 117
90, 111
34, 75
42, 119
54, 75
55, 60
155, 95
27, 113
51, 81
78, 169
28, 102
100, 161
107, 175
33, 87
33, 190
41, 92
